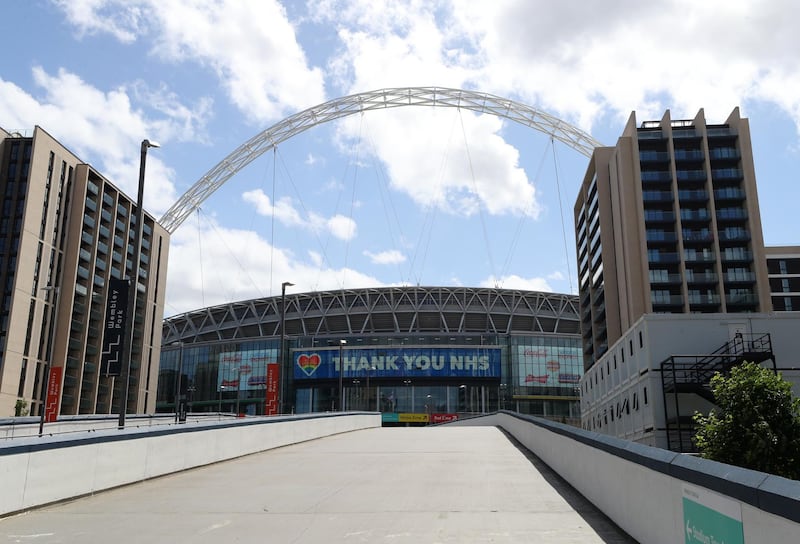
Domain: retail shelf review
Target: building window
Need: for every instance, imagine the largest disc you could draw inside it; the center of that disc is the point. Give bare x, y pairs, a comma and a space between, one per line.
641, 340
787, 303
782, 266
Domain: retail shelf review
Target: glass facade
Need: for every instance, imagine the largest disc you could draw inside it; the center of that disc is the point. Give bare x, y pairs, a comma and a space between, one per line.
415, 379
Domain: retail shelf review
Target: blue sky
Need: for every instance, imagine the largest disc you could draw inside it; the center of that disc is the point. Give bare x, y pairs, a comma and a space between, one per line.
428, 196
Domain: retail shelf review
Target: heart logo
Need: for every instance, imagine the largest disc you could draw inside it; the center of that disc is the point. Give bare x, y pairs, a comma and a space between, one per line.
309, 363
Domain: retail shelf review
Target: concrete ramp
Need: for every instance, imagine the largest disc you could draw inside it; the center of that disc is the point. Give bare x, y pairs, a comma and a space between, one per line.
398, 485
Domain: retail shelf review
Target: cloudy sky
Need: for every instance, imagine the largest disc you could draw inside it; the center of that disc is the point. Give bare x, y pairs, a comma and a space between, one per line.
429, 196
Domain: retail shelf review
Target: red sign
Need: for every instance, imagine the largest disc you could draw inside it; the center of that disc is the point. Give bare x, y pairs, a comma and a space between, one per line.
53, 394
273, 384
443, 418
553, 366
531, 378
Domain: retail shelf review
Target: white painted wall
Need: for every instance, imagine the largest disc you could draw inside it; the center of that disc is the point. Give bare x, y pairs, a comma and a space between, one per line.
645, 503
79, 466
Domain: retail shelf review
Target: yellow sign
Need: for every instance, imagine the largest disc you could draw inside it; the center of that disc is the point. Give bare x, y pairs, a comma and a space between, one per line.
412, 418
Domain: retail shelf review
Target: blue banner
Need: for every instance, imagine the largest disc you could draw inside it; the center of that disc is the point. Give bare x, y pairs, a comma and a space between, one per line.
318, 364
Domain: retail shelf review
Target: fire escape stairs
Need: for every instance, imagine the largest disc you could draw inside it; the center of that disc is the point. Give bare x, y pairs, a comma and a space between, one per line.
691, 374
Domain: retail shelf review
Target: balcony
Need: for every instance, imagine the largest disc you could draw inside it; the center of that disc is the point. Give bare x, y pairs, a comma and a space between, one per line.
691, 175
662, 257
661, 236
701, 215
729, 194
740, 256
689, 155
701, 278
704, 299
659, 216
653, 156
731, 214
738, 236
697, 236
667, 300
657, 196
740, 277
692, 196
747, 299
650, 135
726, 174
724, 154
691, 257
665, 279
684, 134
720, 132
656, 176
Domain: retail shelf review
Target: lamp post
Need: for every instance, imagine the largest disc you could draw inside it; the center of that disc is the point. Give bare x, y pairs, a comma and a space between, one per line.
369, 372
219, 403
178, 379
133, 289
283, 373
342, 343
48, 363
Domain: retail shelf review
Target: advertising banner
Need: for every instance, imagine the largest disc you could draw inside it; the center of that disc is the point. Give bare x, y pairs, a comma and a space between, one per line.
273, 384
554, 366
244, 370
443, 418
53, 393
483, 362
114, 336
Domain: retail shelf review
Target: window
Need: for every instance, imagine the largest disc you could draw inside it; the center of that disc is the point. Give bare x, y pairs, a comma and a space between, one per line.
630, 343
641, 340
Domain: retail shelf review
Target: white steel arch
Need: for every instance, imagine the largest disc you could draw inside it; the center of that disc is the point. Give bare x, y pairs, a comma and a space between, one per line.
479, 102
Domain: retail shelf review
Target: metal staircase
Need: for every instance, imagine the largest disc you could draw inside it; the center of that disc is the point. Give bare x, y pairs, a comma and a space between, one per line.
691, 374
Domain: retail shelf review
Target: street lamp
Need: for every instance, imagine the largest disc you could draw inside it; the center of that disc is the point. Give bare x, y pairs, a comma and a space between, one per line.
48, 363
342, 343
283, 373
133, 290
369, 372
178, 379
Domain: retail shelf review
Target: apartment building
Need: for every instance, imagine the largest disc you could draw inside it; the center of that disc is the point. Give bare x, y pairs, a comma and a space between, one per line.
65, 232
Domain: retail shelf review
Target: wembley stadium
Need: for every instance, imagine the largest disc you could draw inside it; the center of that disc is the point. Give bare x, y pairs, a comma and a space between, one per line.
419, 355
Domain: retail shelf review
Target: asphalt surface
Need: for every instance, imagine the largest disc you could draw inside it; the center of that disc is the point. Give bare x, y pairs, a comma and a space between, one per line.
395, 485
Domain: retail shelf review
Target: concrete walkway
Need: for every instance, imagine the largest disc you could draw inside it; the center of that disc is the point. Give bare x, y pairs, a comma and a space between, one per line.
397, 485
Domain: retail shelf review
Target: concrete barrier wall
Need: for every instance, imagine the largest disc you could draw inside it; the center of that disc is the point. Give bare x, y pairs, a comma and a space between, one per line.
643, 489
38, 471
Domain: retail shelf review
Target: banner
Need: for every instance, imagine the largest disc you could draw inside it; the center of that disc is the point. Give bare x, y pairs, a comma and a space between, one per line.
114, 336
551, 366
244, 370
53, 394
479, 362
273, 384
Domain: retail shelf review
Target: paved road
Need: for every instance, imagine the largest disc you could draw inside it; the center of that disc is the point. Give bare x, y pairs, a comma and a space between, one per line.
395, 485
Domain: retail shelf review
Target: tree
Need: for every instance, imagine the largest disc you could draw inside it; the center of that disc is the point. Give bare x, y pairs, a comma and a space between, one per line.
757, 425
21, 408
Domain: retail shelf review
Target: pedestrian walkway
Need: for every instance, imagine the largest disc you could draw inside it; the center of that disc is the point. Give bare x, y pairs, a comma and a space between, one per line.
397, 485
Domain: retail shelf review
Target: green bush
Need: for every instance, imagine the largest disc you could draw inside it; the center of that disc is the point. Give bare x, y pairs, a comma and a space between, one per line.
757, 425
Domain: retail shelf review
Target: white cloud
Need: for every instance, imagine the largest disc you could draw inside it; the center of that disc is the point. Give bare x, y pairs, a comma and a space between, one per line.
104, 128
339, 226
249, 44
391, 256
216, 265
514, 281
453, 160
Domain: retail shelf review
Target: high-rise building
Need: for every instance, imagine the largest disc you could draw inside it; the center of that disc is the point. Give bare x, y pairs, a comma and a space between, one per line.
667, 221
783, 266
675, 282
65, 231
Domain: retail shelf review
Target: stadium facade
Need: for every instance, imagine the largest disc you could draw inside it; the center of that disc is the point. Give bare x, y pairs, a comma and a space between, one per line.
417, 354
